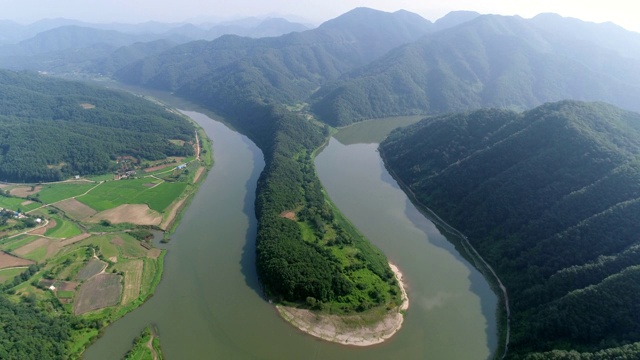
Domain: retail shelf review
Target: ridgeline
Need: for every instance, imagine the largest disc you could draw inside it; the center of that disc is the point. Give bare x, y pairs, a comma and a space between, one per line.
550, 198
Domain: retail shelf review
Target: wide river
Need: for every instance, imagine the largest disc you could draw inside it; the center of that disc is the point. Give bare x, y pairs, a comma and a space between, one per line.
209, 305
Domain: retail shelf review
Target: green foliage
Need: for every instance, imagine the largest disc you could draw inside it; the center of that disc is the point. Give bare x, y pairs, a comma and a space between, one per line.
549, 198
327, 261
46, 133
27, 332
111, 194
492, 61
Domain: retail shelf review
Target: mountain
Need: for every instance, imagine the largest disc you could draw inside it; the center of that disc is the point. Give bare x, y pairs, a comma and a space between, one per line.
300, 238
550, 198
51, 129
126, 55
454, 18
285, 69
490, 61
255, 28
76, 49
607, 35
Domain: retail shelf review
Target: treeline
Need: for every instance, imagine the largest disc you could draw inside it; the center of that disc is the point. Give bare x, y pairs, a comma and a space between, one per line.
51, 129
550, 198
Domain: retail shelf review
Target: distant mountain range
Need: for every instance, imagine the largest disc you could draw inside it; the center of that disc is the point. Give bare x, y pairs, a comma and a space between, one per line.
491, 61
61, 45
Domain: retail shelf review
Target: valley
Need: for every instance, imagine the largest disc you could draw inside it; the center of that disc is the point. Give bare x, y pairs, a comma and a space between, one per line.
518, 139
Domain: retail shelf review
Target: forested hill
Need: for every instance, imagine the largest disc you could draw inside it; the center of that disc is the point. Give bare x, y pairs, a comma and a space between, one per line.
491, 61
551, 199
283, 69
51, 129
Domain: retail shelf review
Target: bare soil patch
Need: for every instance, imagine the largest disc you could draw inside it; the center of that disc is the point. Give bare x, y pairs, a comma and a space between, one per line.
76, 209
98, 292
198, 174
24, 191
355, 330
117, 241
7, 261
42, 230
149, 185
93, 267
159, 167
87, 106
35, 244
66, 285
25, 203
52, 246
73, 240
289, 215
132, 280
154, 253
172, 214
139, 214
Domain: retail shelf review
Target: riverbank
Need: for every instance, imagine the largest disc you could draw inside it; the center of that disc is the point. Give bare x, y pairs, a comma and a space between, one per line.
503, 311
357, 330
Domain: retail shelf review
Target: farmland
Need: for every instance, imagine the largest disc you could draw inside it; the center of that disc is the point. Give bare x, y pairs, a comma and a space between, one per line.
80, 245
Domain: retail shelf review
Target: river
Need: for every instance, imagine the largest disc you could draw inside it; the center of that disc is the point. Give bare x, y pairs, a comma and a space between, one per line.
209, 305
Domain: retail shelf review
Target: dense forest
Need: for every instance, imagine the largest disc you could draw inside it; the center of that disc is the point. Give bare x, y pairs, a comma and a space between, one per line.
490, 61
52, 129
313, 256
247, 80
550, 198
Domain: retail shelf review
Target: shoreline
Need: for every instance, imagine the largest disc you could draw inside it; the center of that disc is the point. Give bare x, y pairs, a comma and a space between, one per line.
341, 329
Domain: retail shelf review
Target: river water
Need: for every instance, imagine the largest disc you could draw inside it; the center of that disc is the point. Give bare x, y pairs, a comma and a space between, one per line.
209, 305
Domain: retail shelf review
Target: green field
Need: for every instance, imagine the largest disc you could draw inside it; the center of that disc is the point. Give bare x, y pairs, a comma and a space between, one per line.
63, 229
37, 255
17, 242
9, 274
55, 192
15, 204
111, 194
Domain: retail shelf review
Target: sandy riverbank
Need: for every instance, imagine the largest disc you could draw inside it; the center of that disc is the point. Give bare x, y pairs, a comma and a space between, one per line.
353, 329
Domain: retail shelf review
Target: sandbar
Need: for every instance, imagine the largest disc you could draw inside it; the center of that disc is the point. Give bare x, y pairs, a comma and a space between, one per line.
349, 329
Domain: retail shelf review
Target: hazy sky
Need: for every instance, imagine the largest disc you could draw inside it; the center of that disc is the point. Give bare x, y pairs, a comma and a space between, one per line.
622, 12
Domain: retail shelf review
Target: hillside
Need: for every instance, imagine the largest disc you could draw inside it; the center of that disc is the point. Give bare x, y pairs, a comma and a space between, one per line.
550, 198
52, 129
285, 69
490, 61
308, 254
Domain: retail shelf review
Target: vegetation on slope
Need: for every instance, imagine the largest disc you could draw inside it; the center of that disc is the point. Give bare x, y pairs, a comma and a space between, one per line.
52, 129
307, 253
550, 198
286, 69
491, 61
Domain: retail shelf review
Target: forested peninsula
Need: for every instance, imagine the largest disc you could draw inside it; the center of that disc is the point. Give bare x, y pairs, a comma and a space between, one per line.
308, 254
549, 198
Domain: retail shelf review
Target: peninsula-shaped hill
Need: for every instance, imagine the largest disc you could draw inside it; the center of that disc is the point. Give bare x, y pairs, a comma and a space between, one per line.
551, 199
52, 129
308, 255
490, 61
